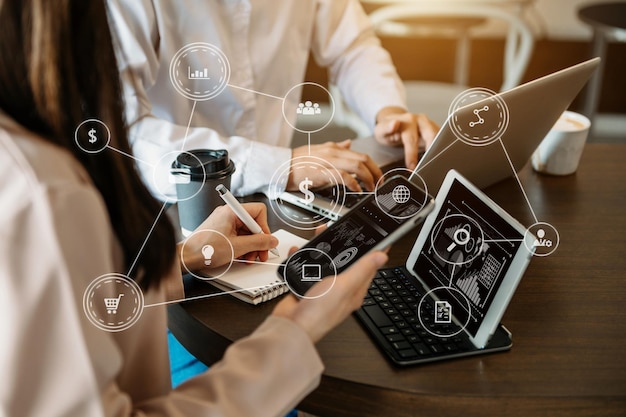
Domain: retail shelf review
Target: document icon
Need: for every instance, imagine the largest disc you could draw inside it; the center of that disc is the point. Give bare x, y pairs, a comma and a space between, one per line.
443, 312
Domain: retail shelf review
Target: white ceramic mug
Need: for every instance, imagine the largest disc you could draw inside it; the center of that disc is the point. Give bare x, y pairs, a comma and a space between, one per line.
560, 151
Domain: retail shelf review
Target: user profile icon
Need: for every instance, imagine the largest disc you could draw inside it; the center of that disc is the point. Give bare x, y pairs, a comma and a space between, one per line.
543, 239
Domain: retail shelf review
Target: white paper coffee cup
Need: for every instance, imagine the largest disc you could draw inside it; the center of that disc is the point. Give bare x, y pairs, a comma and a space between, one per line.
559, 152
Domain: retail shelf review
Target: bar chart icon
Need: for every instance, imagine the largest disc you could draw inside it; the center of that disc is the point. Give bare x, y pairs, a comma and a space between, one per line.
470, 288
202, 74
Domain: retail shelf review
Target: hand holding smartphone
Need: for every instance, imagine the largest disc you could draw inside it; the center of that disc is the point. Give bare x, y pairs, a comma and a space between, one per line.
397, 206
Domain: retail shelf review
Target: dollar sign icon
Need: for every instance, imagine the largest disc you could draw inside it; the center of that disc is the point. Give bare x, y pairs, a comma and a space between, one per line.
304, 188
92, 135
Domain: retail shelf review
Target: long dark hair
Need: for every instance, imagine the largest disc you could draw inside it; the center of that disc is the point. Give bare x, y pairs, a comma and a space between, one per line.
57, 69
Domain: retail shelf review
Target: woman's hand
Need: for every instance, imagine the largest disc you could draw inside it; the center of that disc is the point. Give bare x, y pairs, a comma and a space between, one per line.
245, 244
317, 316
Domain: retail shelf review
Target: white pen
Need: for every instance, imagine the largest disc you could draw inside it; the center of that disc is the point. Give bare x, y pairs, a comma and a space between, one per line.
241, 212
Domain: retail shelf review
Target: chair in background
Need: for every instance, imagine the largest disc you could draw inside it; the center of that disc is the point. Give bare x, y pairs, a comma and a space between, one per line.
452, 18
608, 21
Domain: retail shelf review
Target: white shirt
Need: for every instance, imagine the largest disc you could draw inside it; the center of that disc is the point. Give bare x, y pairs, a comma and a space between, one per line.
267, 44
56, 240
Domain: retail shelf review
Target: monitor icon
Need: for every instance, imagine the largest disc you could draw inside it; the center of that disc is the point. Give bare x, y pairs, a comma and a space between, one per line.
311, 272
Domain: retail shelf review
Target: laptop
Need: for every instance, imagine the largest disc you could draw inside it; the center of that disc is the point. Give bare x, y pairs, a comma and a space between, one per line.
449, 298
513, 124
331, 202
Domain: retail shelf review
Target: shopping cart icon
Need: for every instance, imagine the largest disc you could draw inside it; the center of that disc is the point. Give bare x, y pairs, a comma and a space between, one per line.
112, 303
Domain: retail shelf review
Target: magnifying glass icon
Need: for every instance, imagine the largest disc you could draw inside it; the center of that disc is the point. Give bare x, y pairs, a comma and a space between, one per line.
461, 237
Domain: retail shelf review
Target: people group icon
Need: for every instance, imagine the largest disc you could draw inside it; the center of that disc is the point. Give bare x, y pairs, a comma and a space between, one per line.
308, 108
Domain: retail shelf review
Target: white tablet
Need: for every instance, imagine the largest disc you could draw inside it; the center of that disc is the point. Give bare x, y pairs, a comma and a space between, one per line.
469, 256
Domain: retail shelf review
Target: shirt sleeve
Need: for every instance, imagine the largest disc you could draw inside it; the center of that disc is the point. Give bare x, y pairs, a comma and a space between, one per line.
136, 29
345, 42
265, 374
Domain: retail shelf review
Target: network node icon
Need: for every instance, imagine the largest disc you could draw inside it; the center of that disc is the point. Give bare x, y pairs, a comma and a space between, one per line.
487, 122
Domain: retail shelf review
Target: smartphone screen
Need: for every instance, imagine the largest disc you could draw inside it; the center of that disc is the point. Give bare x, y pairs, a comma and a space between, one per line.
396, 207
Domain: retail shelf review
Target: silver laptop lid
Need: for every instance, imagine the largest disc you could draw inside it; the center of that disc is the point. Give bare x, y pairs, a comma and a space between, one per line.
487, 137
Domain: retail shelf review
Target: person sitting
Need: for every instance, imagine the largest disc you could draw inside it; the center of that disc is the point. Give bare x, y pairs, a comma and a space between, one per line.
71, 217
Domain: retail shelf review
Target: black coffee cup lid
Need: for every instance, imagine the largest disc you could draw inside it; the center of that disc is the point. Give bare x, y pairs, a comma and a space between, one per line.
215, 162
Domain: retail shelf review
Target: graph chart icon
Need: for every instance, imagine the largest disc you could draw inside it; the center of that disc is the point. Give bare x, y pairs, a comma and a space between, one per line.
470, 288
198, 74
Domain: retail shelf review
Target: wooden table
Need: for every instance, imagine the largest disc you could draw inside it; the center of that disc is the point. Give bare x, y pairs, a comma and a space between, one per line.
568, 319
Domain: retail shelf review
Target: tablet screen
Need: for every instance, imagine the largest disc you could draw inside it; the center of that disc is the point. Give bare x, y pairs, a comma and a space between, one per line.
468, 253
396, 207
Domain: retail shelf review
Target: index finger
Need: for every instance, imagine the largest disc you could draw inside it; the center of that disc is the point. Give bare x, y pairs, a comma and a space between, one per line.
410, 140
427, 129
258, 211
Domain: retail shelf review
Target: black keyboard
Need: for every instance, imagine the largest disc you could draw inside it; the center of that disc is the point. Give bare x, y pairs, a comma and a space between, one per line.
389, 313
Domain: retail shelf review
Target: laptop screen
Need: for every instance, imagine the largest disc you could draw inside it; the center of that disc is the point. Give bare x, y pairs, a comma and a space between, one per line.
468, 253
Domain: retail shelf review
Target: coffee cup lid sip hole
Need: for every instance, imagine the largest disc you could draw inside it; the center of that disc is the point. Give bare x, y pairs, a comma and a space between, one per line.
207, 163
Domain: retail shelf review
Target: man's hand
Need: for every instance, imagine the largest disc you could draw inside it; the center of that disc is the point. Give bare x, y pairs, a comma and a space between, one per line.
348, 163
396, 127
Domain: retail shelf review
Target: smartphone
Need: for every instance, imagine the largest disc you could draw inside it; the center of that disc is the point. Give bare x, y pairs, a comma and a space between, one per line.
397, 206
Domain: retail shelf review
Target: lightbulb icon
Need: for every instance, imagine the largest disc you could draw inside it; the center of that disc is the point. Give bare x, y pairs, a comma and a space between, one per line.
207, 252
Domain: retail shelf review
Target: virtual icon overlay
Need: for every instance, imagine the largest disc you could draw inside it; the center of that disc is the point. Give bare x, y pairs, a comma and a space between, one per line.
462, 262
113, 302
199, 71
486, 123
310, 117
322, 175
92, 136
546, 238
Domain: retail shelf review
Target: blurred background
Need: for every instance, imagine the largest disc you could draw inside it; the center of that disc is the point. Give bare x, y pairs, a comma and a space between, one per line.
431, 49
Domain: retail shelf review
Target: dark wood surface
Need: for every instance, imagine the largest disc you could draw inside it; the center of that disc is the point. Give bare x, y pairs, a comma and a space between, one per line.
609, 15
568, 319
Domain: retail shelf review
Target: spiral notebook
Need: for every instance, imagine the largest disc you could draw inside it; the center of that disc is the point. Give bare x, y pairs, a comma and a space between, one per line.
259, 282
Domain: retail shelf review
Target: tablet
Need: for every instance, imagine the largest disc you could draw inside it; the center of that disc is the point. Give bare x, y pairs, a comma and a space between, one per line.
469, 257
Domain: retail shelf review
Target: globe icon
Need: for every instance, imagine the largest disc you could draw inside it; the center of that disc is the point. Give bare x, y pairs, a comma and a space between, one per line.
401, 194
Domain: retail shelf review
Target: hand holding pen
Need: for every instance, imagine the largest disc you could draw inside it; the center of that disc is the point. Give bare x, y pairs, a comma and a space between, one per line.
241, 212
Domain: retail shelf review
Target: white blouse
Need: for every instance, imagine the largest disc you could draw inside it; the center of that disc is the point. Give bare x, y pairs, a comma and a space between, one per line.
56, 239
267, 44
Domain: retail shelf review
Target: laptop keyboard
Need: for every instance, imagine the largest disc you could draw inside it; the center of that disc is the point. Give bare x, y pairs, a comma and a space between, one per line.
389, 312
